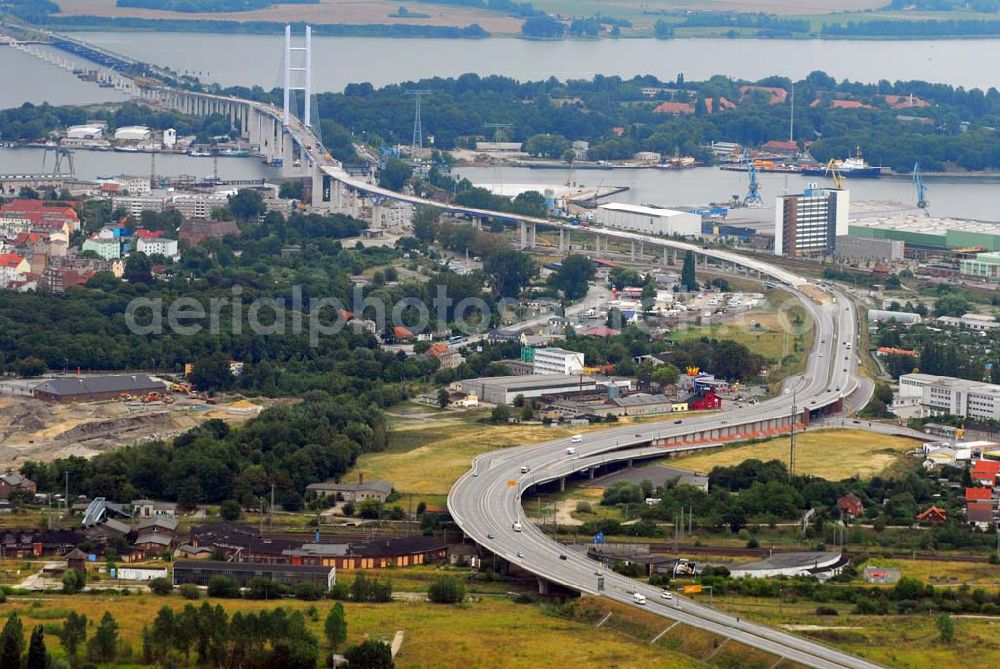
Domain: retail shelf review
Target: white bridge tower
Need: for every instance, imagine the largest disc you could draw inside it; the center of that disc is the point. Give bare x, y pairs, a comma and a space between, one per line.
303, 68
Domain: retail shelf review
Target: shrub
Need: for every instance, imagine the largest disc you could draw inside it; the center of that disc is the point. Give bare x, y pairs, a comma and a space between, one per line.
161, 586
223, 586
446, 590
826, 611
230, 510
308, 592
73, 581
190, 591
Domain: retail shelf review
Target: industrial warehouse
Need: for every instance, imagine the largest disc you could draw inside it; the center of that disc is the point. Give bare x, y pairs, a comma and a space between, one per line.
90, 388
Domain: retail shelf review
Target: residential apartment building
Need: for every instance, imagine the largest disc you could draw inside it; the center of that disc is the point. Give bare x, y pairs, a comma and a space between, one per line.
957, 397
106, 249
808, 224
155, 201
557, 361
199, 205
152, 246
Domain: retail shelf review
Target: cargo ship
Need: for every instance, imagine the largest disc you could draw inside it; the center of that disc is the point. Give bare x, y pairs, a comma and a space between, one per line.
854, 167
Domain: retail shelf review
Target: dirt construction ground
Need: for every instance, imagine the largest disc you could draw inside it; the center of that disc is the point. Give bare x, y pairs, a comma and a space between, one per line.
36, 430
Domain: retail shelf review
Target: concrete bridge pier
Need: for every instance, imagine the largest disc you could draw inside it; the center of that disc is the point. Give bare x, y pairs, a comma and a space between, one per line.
642, 250
562, 484
562, 240
523, 234
543, 586
632, 254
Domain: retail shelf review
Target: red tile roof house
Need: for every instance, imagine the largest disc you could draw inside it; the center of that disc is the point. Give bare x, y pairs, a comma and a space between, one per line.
674, 108
850, 505
12, 481
984, 472
934, 514
978, 494
776, 96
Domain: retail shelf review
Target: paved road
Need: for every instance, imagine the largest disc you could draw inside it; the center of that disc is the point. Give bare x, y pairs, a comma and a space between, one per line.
486, 502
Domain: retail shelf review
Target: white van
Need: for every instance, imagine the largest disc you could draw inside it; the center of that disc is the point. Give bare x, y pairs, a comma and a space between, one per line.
639, 599
525, 469
516, 526
570, 451
576, 438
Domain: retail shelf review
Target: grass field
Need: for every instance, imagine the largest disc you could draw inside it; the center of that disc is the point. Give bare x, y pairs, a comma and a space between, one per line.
425, 457
830, 454
944, 574
905, 642
493, 632
782, 331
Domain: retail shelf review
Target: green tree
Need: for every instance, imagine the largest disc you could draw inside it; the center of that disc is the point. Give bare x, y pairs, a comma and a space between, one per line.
425, 222
37, 657
12, 642
335, 627
73, 632
395, 174
443, 398
139, 269
573, 276
212, 373
946, 627
247, 205
689, 281
223, 586
509, 271
161, 586
370, 654
951, 305
446, 590
29, 367
500, 414
666, 374
104, 645
73, 581
230, 510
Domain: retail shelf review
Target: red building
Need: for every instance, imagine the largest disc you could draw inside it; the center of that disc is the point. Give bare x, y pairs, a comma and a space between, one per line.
705, 402
850, 505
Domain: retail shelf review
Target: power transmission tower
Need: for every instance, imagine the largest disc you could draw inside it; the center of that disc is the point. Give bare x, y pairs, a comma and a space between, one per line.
499, 132
418, 128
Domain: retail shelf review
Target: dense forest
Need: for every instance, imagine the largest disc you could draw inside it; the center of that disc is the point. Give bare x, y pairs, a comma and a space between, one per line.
959, 127
982, 6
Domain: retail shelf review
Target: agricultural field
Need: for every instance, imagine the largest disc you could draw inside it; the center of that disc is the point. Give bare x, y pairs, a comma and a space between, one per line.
829, 454
531, 638
325, 11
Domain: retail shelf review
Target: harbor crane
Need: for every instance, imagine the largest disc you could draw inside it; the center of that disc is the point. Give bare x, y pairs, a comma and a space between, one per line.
59, 153
918, 181
752, 199
832, 169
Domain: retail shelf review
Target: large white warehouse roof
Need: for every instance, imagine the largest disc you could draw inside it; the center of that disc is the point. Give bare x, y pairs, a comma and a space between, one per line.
132, 132
641, 210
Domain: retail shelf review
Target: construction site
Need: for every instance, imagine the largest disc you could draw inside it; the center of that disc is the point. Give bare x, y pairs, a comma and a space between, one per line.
33, 429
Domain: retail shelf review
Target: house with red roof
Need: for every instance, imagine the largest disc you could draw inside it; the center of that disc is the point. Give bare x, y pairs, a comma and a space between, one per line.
984, 472
776, 96
723, 104
905, 101
13, 269
934, 515
978, 494
848, 104
674, 108
850, 505
781, 146
42, 215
